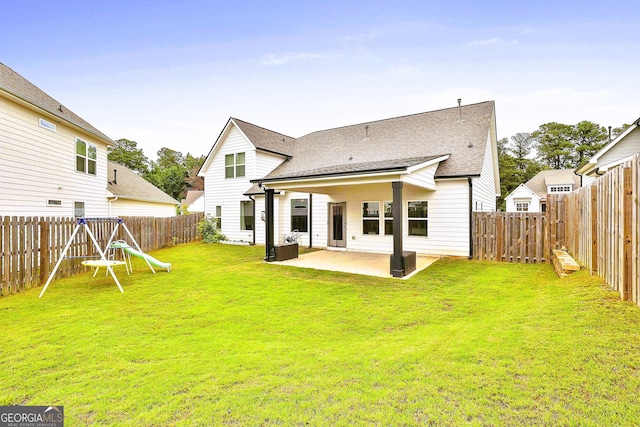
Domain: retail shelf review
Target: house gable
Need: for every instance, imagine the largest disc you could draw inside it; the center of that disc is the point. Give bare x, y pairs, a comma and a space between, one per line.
38, 154
622, 147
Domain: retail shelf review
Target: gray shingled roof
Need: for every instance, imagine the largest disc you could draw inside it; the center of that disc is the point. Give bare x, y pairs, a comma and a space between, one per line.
265, 139
538, 184
16, 85
129, 185
378, 144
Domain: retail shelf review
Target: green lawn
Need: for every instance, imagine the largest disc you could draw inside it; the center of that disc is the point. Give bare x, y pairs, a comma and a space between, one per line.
225, 339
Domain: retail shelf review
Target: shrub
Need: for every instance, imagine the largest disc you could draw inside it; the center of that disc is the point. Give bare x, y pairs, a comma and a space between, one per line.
208, 228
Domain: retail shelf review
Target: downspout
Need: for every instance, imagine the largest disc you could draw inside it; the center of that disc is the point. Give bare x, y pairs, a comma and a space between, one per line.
470, 218
109, 204
310, 220
253, 208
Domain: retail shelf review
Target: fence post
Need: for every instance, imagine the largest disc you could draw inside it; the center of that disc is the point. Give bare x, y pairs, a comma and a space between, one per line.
627, 276
44, 251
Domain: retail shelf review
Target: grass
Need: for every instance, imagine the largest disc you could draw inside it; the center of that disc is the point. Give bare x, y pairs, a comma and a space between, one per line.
225, 339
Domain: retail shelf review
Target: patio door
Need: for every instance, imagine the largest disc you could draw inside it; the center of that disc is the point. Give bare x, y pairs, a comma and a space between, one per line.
338, 225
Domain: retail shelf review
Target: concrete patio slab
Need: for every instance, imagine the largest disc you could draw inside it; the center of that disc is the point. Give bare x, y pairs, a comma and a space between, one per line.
353, 262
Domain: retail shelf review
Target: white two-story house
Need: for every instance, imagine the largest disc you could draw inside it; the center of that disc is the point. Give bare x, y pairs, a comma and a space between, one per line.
347, 188
53, 163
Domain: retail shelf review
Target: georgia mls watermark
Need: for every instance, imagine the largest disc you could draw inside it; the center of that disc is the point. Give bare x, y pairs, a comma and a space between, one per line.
31, 416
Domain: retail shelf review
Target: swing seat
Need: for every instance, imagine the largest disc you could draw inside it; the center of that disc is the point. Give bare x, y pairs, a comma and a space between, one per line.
97, 263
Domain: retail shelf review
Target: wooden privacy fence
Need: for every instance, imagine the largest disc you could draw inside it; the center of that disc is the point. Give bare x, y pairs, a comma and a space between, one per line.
598, 224
511, 237
602, 230
30, 246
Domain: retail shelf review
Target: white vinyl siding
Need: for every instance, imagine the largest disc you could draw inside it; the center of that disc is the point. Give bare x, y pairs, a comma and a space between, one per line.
523, 194
484, 187
37, 165
124, 207
628, 146
448, 220
228, 193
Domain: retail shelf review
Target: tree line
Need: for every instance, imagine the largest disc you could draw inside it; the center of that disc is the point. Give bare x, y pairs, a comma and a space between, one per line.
552, 146
172, 172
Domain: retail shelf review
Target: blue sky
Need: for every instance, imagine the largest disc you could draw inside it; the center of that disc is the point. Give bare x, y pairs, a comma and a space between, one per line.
170, 74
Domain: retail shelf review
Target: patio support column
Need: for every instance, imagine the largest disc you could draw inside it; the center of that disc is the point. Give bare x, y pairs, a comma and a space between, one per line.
310, 220
269, 241
397, 267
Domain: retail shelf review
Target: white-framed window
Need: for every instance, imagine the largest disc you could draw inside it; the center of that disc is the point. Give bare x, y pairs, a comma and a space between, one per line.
47, 124
218, 217
388, 218
247, 221
370, 217
522, 206
560, 189
86, 157
300, 215
418, 217
234, 165
54, 202
78, 209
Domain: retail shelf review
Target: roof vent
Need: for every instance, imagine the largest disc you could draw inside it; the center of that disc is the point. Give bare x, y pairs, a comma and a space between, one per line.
460, 119
60, 108
366, 133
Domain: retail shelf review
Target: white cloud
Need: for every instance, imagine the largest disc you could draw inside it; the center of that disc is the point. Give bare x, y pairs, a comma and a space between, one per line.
281, 59
493, 41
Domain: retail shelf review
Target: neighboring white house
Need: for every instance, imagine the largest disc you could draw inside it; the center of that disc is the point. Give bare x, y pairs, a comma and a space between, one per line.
337, 187
53, 163
131, 195
532, 195
194, 202
622, 148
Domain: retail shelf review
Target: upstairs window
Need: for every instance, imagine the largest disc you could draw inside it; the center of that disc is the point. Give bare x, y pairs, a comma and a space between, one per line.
86, 156
234, 165
47, 124
560, 189
522, 206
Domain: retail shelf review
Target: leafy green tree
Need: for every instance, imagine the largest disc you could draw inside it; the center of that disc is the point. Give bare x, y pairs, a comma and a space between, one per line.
127, 153
168, 157
588, 138
555, 145
508, 172
617, 131
169, 179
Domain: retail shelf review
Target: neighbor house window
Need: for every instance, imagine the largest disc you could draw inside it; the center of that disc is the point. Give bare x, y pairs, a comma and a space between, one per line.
418, 217
246, 215
300, 215
522, 206
218, 217
371, 218
78, 209
234, 165
52, 202
388, 218
560, 189
86, 155
47, 124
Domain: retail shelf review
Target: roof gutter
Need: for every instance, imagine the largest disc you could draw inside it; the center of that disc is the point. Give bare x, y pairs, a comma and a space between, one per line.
330, 175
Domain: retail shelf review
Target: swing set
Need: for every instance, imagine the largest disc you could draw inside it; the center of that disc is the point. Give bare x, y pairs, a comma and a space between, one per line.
102, 260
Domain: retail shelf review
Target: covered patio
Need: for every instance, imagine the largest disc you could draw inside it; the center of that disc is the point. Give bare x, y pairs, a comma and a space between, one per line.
369, 264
